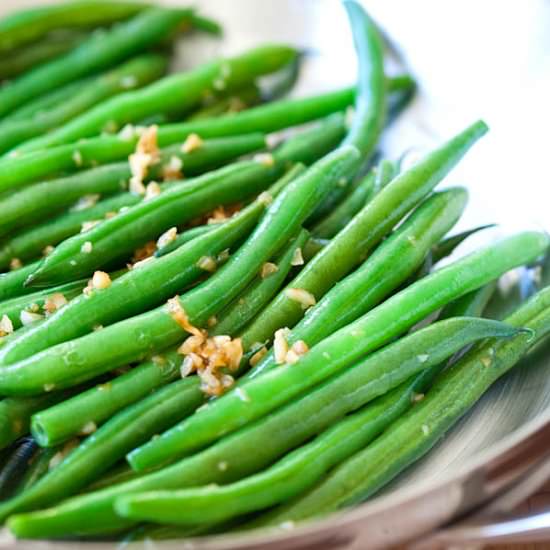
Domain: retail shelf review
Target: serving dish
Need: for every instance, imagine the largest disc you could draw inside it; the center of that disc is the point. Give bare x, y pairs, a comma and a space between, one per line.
473, 463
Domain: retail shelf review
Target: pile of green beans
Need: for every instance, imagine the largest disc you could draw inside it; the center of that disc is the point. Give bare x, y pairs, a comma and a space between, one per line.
248, 330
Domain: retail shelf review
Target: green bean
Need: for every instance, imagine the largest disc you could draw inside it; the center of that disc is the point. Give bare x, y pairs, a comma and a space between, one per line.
48, 101
232, 458
377, 327
15, 414
101, 50
115, 239
237, 101
343, 213
26, 58
367, 228
13, 307
133, 293
11, 283
199, 230
447, 246
30, 243
265, 118
237, 314
306, 465
356, 294
72, 362
24, 27
171, 95
104, 447
414, 434
43, 200
67, 419
132, 74
379, 275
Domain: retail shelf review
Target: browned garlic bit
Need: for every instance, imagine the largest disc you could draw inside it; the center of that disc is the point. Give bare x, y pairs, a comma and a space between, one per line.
207, 356
173, 169
54, 302
86, 248
6, 326
192, 143
297, 258
152, 190
144, 252
285, 354
265, 198
15, 263
303, 297
207, 263
268, 269
99, 281
147, 154
167, 237
47, 250
258, 356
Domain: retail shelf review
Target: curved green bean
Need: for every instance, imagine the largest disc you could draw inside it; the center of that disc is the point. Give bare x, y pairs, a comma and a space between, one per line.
132, 74
115, 239
99, 51
171, 95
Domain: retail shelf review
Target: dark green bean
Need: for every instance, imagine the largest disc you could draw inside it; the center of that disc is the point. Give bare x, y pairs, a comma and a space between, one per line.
103, 448
377, 327
99, 51
174, 94
132, 74
414, 434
